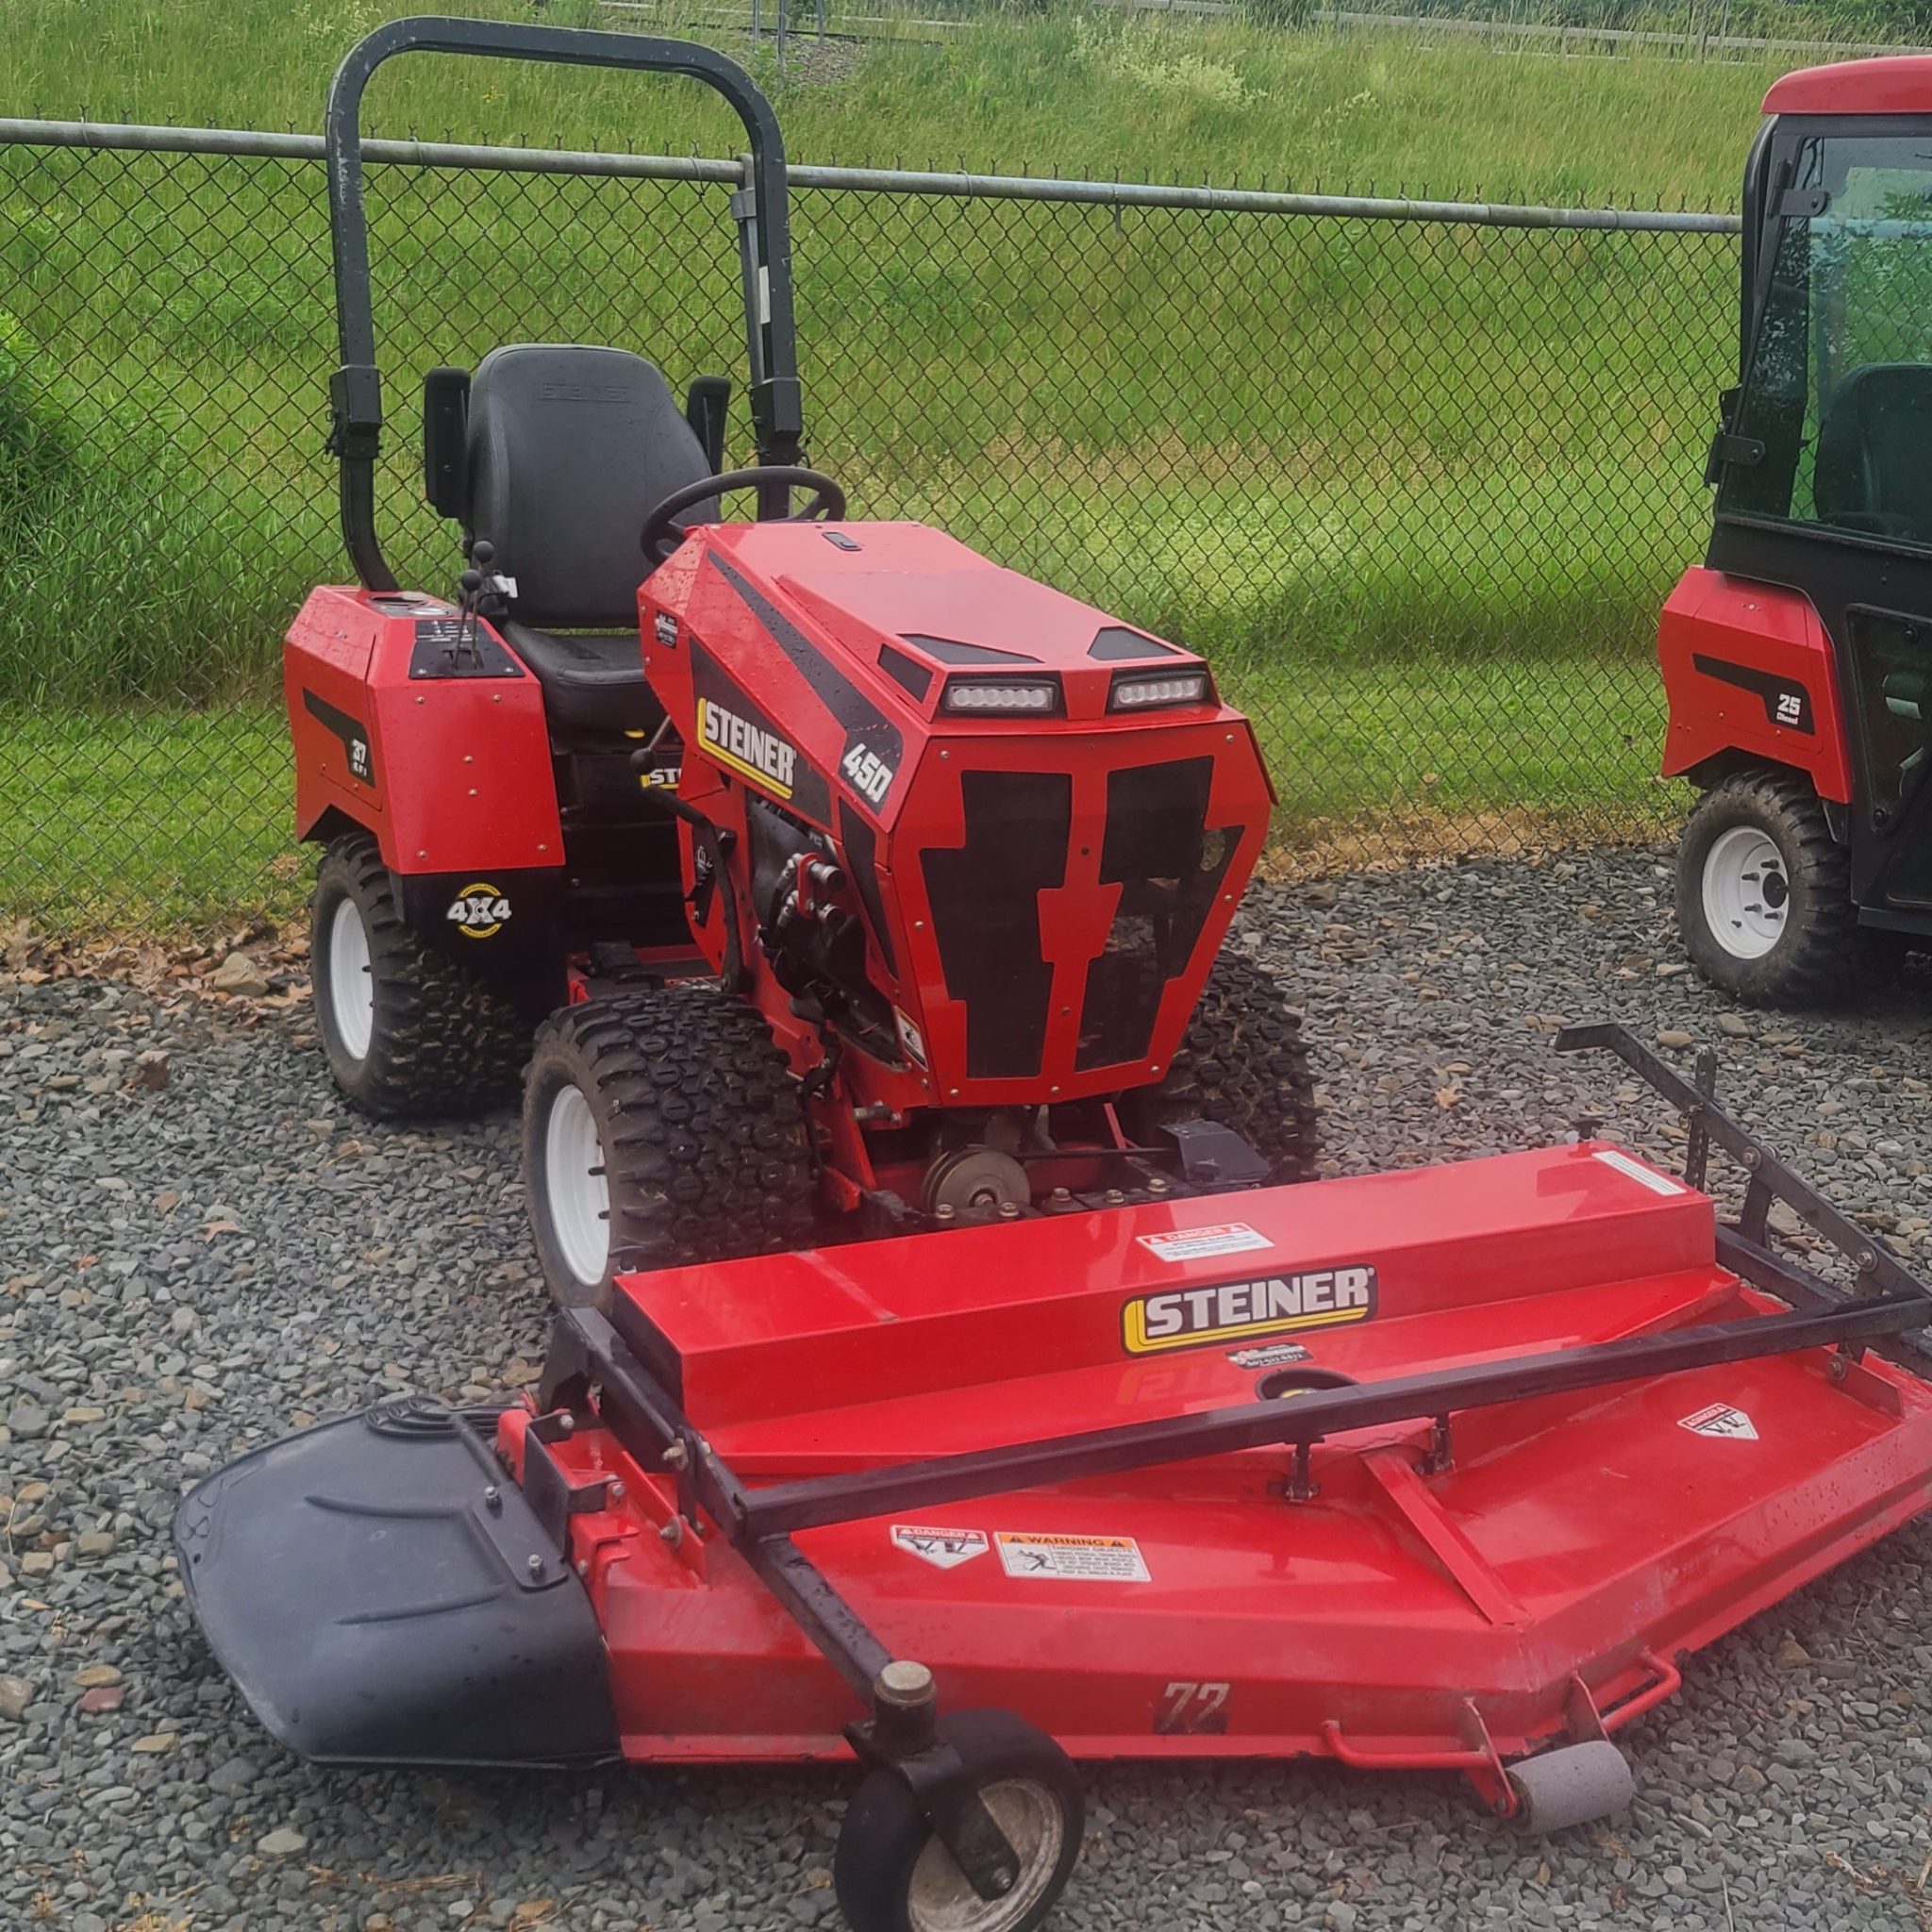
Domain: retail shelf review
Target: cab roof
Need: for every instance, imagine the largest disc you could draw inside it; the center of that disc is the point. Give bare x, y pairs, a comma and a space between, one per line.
1894, 84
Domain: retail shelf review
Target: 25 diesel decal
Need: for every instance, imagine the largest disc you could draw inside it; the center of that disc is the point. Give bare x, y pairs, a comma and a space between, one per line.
1232, 1311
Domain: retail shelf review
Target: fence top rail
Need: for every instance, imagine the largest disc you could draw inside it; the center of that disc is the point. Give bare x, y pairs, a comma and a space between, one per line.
1150, 195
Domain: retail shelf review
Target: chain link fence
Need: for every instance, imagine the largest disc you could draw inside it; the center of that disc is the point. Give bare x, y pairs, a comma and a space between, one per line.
1414, 477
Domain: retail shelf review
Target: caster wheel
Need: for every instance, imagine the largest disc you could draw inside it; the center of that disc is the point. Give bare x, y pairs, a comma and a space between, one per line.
892, 1873
1571, 1785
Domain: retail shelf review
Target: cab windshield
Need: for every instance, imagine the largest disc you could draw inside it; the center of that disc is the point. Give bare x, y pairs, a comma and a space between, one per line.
1834, 426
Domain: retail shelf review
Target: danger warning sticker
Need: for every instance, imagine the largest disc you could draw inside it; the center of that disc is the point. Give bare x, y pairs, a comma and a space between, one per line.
1203, 1243
1721, 1420
944, 1549
1074, 1558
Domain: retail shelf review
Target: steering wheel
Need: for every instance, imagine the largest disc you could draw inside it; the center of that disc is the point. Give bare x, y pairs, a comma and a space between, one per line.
661, 535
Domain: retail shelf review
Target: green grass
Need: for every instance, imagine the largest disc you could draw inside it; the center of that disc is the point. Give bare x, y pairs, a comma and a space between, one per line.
1056, 90
131, 820
128, 821
1418, 490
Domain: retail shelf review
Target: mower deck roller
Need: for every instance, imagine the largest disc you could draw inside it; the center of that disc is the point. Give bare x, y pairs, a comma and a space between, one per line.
1438, 1469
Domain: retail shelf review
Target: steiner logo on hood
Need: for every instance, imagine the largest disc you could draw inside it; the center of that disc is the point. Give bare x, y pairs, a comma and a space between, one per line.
750, 752
1233, 1311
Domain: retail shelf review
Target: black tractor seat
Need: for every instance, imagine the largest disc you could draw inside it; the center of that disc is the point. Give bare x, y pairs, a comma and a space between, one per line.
567, 449
594, 681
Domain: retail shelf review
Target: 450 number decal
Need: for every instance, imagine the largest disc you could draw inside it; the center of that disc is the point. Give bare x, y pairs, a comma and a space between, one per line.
867, 773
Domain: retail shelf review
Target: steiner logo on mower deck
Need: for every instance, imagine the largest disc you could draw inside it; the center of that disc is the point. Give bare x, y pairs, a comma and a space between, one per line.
478, 911
752, 753
1232, 1311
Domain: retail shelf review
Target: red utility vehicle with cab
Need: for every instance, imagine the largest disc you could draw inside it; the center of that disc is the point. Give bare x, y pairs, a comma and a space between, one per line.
1798, 659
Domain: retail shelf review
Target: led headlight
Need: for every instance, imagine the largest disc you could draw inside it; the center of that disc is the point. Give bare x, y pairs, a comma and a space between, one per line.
1140, 692
1001, 696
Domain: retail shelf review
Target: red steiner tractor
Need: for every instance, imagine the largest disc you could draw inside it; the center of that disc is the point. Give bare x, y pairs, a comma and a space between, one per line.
1798, 659
857, 875
1445, 1469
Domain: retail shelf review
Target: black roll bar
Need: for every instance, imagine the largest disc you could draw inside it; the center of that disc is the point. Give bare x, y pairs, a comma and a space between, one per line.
762, 211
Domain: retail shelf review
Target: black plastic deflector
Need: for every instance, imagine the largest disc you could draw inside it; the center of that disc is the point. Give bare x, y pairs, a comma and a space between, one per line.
382, 1593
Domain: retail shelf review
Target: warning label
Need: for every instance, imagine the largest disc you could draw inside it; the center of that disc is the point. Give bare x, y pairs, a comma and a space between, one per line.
1721, 1418
1203, 1243
1079, 1559
944, 1549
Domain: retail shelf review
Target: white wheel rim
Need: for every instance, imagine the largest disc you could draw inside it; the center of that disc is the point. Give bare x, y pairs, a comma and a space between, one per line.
940, 1897
1747, 893
575, 1191
350, 985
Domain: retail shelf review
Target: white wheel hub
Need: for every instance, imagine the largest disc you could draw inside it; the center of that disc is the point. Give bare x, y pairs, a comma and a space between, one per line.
941, 1898
577, 1195
350, 985
1747, 893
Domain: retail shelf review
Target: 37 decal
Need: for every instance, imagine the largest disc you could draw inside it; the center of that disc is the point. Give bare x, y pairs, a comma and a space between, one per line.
1231, 1310
352, 731
664, 628
480, 911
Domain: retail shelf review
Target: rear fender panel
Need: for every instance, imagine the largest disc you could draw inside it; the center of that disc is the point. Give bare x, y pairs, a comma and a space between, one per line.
1749, 668
444, 756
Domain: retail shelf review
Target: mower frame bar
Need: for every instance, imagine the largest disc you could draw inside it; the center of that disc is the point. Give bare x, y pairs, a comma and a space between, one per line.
589, 1360
763, 225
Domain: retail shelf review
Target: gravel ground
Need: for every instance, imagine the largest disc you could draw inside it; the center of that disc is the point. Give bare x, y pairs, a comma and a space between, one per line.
192, 1267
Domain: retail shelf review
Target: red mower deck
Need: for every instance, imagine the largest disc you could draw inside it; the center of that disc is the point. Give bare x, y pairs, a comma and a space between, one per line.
1442, 1469
1412, 1610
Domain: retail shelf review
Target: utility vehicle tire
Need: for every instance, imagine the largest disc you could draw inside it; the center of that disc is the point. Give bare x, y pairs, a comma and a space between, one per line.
1242, 1062
892, 1873
660, 1127
408, 1034
1764, 894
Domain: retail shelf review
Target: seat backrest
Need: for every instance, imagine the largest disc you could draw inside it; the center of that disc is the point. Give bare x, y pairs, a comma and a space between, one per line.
569, 448
1874, 450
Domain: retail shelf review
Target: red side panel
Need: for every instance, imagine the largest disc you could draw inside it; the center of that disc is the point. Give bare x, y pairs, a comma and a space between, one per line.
1749, 668
1892, 84
450, 772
